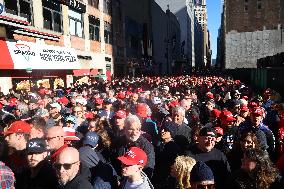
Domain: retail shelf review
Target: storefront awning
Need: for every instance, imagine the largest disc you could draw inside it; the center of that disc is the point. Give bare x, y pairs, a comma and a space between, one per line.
23, 55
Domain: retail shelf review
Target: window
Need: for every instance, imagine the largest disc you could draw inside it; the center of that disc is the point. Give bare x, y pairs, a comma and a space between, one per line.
22, 8
259, 4
246, 8
75, 23
94, 28
107, 33
94, 3
52, 15
107, 7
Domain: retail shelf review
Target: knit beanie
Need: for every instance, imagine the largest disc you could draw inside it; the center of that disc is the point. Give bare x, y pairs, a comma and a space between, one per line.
201, 172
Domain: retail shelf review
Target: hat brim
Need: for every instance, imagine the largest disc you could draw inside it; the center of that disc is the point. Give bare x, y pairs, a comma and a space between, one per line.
93, 144
231, 119
126, 161
71, 138
36, 151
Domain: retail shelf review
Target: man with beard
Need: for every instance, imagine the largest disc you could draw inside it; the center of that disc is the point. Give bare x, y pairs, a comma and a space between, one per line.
67, 167
40, 174
133, 138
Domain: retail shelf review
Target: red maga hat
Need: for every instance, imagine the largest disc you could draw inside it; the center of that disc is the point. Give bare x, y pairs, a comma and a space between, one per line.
120, 114
135, 156
17, 127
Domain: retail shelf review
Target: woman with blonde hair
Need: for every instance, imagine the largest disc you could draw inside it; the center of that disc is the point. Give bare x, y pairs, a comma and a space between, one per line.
181, 170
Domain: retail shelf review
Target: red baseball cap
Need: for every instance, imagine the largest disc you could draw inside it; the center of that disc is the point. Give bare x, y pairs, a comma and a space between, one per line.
13, 101
244, 108
64, 100
216, 113
219, 130
134, 156
173, 103
257, 111
17, 127
210, 95
120, 95
89, 115
99, 101
227, 115
120, 114
141, 110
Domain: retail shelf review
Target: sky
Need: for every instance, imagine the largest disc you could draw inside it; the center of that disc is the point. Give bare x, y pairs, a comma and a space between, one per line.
214, 20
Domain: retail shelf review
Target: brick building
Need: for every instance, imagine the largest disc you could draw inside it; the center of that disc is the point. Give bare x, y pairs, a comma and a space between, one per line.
253, 15
37, 36
250, 31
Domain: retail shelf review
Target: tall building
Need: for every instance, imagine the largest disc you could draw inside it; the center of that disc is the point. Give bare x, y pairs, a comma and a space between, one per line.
201, 16
184, 11
44, 39
252, 30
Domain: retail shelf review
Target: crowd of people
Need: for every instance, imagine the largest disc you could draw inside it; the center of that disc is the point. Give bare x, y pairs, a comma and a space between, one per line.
178, 132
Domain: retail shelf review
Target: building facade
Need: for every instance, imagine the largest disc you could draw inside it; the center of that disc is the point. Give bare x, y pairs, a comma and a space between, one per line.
201, 16
251, 30
79, 28
184, 12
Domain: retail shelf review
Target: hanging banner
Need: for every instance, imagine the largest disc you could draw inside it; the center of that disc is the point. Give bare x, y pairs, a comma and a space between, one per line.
40, 56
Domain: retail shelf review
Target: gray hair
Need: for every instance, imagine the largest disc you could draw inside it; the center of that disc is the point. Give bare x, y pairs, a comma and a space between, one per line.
23, 108
179, 109
131, 119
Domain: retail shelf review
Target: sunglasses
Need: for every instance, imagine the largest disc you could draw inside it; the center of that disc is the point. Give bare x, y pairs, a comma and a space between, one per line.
66, 166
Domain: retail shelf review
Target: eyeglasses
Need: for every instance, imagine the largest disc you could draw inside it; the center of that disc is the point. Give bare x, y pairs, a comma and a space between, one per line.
78, 111
50, 138
66, 166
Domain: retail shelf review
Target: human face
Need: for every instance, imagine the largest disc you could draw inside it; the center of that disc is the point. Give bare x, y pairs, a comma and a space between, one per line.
53, 111
53, 141
248, 164
244, 114
134, 97
210, 106
247, 143
119, 122
36, 133
203, 185
129, 170
35, 159
12, 140
133, 131
178, 117
78, 112
69, 124
256, 119
206, 143
66, 169
165, 135
92, 126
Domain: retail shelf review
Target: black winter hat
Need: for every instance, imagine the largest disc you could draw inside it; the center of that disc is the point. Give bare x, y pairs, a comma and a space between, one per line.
201, 172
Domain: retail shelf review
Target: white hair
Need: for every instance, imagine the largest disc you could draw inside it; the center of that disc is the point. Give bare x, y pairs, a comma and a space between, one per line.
179, 109
130, 119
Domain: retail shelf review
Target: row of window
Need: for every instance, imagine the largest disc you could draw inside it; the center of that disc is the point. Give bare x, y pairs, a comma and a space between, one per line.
52, 18
258, 5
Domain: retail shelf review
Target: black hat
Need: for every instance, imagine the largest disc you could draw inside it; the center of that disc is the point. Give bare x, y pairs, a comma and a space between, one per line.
201, 172
207, 131
36, 145
171, 127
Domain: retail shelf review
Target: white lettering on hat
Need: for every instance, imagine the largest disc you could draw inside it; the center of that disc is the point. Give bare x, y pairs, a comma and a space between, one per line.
131, 154
92, 138
34, 145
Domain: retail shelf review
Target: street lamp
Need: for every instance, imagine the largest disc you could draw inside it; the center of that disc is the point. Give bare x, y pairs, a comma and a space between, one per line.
29, 71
